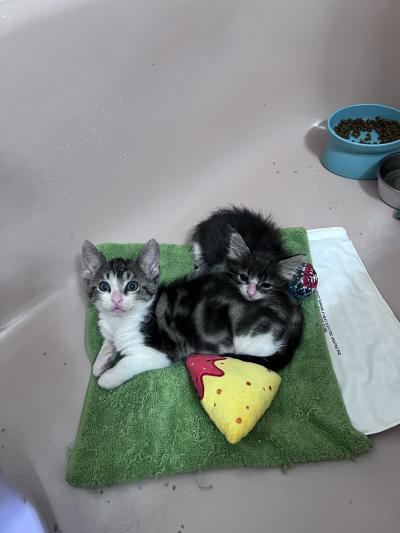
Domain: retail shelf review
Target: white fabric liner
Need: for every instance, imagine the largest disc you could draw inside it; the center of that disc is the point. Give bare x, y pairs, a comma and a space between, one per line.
362, 333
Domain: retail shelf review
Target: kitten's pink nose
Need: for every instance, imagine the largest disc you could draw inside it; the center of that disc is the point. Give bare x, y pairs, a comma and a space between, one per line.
116, 298
251, 289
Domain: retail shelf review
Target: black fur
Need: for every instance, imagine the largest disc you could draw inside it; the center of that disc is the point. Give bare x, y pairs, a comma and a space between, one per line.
261, 255
203, 314
260, 233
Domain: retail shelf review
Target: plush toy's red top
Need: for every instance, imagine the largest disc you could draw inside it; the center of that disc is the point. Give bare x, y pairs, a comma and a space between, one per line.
200, 365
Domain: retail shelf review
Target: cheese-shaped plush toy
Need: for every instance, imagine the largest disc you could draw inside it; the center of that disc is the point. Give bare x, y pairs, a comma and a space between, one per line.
235, 394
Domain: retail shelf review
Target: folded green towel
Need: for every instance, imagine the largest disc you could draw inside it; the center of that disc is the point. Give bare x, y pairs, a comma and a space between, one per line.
154, 424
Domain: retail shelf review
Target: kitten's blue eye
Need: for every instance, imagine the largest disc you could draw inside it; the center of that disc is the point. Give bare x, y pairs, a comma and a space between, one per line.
104, 286
265, 285
244, 278
132, 286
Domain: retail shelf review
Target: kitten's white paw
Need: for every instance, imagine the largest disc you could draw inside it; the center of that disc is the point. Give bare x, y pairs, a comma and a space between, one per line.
109, 380
99, 367
104, 359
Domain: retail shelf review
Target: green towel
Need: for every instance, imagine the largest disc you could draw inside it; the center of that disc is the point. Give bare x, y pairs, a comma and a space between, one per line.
154, 425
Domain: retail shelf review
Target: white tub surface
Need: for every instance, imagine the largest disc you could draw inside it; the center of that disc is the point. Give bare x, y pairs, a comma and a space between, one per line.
124, 120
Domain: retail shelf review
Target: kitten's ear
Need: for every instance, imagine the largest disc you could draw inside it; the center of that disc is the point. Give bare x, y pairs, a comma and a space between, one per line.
92, 260
237, 247
149, 260
288, 267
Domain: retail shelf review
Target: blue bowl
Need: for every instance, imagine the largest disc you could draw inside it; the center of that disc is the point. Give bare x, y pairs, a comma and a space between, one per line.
352, 159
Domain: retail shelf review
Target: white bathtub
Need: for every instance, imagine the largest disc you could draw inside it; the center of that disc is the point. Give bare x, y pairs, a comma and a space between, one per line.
123, 120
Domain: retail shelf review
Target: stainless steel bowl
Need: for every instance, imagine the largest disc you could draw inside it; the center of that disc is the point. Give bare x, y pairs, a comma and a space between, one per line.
389, 180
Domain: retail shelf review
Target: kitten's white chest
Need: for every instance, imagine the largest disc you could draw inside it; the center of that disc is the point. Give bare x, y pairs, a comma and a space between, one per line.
124, 331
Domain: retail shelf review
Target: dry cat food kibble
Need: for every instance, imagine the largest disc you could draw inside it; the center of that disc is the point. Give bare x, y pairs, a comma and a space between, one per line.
386, 130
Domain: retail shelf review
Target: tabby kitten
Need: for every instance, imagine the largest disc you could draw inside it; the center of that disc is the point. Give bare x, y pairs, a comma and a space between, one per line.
248, 246
123, 292
153, 327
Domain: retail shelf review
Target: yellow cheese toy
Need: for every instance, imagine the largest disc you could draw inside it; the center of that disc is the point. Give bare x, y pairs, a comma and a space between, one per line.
235, 394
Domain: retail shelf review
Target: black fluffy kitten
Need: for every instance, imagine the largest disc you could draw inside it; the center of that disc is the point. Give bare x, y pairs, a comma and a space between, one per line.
260, 233
248, 246
206, 314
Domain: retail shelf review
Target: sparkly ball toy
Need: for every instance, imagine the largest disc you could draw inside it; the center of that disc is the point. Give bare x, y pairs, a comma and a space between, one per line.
304, 282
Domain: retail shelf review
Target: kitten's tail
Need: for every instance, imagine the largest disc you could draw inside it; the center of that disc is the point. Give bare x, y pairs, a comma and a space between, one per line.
274, 362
